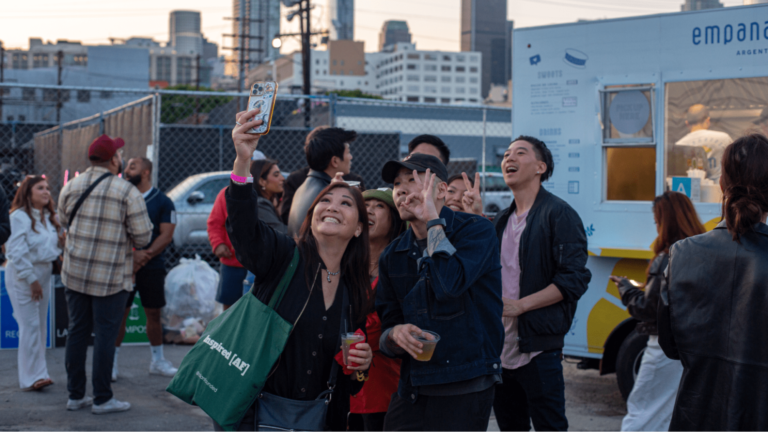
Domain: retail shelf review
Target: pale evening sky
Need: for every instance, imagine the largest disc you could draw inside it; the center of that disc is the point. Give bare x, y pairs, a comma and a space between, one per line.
434, 24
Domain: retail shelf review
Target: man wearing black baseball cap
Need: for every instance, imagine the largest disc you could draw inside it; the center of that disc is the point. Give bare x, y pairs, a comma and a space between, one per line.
439, 281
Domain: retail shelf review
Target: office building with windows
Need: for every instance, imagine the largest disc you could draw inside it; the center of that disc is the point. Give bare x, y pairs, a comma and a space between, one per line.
262, 18
694, 5
393, 32
484, 30
341, 19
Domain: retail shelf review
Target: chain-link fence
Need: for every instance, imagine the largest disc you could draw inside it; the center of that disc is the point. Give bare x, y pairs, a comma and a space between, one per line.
47, 130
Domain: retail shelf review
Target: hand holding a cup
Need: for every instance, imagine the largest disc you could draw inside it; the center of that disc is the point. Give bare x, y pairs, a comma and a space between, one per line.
403, 336
360, 357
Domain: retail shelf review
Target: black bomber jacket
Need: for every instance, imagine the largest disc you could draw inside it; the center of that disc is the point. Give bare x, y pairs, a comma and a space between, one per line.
553, 250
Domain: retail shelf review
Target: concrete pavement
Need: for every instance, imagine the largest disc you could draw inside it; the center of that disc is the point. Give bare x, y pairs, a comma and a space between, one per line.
593, 402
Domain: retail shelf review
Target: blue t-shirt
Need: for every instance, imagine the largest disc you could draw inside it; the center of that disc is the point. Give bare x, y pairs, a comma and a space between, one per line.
161, 210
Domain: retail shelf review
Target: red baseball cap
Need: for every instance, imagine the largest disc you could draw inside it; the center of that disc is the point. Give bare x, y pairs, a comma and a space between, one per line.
105, 147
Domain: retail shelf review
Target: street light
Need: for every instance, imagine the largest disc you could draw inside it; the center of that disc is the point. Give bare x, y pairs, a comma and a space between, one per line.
277, 42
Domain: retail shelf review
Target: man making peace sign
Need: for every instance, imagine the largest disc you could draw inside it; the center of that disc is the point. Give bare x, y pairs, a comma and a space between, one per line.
443, 276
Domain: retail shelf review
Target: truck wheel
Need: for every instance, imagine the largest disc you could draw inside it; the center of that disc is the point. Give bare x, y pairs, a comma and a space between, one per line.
628, 361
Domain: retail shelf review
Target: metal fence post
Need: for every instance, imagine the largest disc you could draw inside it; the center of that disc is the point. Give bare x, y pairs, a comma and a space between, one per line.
157, 111
221, 148
485, 112
332, 100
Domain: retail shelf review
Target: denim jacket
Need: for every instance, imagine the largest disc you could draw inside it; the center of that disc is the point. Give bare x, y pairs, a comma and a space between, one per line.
456, 293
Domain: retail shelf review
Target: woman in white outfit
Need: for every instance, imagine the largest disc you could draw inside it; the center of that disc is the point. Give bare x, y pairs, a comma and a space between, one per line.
31, 250
650, 404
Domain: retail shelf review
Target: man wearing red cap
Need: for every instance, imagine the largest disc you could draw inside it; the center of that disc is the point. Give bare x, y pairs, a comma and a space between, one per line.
106, 218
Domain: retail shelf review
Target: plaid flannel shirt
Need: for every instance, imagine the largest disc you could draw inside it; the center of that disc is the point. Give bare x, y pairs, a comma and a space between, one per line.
98, 256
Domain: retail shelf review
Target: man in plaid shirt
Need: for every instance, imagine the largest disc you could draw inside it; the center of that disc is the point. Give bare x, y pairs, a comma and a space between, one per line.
98, 269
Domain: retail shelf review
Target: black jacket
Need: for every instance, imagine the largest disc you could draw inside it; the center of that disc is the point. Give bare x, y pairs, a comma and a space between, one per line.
294, 181
713, 318
5, 218
643, 305
304, 197
553, 250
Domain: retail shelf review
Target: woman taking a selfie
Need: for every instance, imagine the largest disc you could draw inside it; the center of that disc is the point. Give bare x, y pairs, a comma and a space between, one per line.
332, 272
649, 405
31, 250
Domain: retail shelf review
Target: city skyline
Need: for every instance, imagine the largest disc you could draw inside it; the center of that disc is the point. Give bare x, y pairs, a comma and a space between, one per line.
435, 24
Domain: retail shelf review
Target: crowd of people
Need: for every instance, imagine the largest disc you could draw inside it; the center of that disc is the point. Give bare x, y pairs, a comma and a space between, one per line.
461, 315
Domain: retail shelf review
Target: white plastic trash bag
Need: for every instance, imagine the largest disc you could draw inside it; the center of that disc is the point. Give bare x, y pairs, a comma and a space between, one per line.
190, 292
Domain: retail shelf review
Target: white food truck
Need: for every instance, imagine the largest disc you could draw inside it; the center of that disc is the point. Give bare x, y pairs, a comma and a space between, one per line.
631, 108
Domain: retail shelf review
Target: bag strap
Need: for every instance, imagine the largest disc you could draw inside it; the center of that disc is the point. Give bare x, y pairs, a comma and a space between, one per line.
282, 287
345, 306
84, 196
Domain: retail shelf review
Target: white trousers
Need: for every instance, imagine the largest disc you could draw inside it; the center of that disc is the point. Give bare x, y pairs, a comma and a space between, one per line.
31, 315
650, 405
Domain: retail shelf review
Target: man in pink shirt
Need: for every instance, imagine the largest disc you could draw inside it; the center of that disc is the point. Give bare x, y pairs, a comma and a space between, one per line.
543, 275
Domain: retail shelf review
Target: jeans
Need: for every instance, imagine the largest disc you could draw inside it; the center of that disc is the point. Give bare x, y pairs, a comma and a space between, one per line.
468, 412
101, 316
230, 284
534, 392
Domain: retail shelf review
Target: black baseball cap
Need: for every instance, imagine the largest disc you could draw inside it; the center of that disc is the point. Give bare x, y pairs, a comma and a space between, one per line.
418, 162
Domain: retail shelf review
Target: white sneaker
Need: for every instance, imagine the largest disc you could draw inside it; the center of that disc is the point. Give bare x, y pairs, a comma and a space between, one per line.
76, 404
114, 373
162, 367
111, 406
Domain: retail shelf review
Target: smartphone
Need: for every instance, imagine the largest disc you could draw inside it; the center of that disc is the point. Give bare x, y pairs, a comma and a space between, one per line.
263, 96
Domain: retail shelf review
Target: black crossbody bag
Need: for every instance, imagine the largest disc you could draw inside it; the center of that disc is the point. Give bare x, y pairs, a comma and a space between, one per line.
275, 413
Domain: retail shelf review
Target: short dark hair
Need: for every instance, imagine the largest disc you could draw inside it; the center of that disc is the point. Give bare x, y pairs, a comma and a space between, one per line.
455, 177
325, 144
445, 152
542, 154
146, 164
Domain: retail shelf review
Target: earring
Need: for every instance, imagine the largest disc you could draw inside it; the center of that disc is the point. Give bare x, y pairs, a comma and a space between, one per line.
263, 188
538, 172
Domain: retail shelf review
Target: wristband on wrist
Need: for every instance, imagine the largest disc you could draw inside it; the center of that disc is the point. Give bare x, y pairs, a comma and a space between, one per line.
241, 180
435, 222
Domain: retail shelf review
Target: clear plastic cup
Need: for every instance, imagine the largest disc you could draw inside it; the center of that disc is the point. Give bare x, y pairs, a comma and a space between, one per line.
347, 340
429, 345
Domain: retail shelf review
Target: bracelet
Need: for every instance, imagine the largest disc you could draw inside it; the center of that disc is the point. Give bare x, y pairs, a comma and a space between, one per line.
435, 222
241, 180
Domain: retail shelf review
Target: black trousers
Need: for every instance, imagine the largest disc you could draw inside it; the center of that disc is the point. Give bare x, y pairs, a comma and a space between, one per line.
534, 392
366, 422
469, 412
101, 316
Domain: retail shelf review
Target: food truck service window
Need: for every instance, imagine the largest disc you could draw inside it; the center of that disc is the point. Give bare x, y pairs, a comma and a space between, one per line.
629, 143
702, 119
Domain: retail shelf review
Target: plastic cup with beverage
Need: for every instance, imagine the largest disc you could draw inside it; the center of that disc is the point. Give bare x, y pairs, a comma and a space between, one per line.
429, 340
347, 340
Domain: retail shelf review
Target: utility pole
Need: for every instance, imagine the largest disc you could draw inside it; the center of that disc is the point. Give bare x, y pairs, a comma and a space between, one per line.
306, 60
197, 72
60, 63
244, 45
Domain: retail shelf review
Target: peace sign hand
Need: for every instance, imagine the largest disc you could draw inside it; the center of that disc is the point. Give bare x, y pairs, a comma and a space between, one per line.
424, 208
472, 201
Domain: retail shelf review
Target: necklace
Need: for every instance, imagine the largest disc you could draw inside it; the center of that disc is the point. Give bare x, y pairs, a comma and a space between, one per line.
331, 274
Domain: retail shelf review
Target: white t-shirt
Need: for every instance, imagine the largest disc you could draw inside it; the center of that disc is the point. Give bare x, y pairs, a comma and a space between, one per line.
714, 143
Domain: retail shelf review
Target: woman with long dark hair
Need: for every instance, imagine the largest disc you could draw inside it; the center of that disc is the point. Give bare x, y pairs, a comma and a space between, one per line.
384, 226
649, 406
713, 311
33, 246
332, 271
268, 183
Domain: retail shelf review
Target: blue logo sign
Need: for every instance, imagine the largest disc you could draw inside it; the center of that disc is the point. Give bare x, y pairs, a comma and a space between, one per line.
590, 230
575, 58
535, 60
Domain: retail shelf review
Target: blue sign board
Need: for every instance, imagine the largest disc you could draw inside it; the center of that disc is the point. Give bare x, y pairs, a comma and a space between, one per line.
9, 328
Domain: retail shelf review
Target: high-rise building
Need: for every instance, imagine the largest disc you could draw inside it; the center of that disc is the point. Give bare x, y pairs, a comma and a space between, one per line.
262, 18
483, 29
508, 62
341, 19
694, 5
185, 23
393, 32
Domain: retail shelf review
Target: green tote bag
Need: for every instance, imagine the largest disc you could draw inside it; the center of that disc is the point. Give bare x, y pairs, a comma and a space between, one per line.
227, 368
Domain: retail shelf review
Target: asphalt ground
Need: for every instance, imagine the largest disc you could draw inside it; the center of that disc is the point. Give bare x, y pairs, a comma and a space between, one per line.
592, 402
